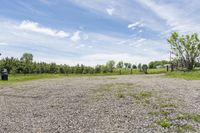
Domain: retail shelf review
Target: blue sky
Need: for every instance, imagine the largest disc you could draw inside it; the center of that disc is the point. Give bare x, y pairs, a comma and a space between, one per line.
94, 31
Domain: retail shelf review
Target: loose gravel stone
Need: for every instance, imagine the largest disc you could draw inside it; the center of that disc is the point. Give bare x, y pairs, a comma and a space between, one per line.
75, 104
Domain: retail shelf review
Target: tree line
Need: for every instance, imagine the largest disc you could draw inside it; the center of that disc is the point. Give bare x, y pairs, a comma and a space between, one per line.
26, 65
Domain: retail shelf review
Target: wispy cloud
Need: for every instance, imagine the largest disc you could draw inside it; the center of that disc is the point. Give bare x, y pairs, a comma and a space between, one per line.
3, 44
135, 25
176, 18
35, 27
141, 40
76, 37
110, 11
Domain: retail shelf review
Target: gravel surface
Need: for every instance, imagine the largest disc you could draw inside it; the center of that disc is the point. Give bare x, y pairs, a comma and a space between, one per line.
136, 104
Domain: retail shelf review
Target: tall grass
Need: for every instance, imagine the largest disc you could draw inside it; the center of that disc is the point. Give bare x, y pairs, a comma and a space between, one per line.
193, 75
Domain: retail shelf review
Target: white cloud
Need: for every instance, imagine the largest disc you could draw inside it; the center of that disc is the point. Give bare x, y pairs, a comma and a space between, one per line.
76, 37
3, 44
35, 27
135, 25
85, 37
110, 11
141, 40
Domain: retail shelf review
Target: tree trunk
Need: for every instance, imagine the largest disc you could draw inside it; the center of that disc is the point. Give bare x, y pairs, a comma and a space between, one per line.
190, 66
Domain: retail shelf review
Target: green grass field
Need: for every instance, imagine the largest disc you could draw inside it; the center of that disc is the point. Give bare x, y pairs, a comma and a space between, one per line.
27, 77
194, 75
21, 77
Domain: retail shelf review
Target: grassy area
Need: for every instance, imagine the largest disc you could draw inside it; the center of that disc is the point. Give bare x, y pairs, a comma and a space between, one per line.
157, 71
194, 75
27, 77
126, 71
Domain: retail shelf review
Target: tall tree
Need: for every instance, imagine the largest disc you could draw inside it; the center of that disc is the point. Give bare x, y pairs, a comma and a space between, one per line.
27, 58
140, 67
126, 65
110, 65
185, 48
120, 64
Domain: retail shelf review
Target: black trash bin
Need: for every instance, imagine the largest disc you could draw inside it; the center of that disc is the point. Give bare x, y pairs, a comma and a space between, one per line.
4, 74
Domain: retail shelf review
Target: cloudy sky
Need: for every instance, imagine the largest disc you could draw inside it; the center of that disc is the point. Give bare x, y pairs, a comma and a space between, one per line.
94, 31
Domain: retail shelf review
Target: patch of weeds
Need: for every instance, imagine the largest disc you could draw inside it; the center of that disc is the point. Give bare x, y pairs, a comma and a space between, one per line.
196, 117
134, 96
185, 128
165, 123
104, 88
120, 95
125, 84
162, 112
142, 95
147, 101
187, 116
166, 112
165, 105
154, 113
145, 94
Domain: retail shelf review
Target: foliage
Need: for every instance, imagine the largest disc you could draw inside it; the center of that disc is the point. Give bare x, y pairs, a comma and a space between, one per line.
154, 64
120, 64
186, 48
193, 75
139, 67
110, 65
166, 123
144, 68
26, 65
134, 66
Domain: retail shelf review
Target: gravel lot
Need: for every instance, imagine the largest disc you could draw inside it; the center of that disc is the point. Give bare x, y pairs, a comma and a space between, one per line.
136, 104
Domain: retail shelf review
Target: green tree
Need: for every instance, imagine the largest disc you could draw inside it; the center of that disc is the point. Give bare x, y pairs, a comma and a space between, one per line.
97, 69
53, 68
27, 58
104, 69
154, 64
129, 65
120, 64
140, 67
144, 68
110, 65
126, 65
134, 66
185, 48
